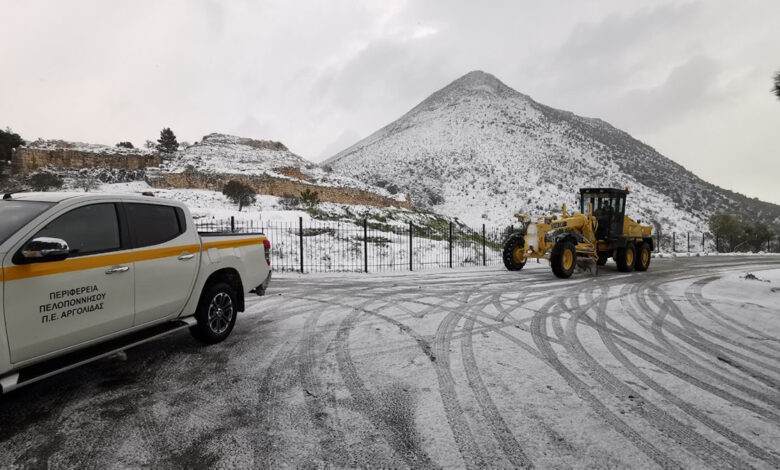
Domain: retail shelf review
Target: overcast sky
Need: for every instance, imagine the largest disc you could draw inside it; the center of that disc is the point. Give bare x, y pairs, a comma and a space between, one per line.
690, 78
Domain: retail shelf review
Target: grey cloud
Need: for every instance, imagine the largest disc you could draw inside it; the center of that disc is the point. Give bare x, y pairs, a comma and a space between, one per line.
344, 140
689, 88
315, 74
599, 58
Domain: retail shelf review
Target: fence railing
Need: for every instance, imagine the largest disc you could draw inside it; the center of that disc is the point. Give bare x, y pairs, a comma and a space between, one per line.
373, 246
705, 242
369, 245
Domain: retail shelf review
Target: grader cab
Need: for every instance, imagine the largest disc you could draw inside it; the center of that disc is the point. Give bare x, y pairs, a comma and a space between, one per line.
600, 231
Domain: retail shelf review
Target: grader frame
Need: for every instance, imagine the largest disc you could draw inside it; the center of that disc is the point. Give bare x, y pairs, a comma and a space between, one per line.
600, 231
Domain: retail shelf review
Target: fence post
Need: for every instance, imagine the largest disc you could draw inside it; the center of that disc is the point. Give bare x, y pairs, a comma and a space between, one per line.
411, 231
300, 238
717, 243
365, 245
674, 242
484, 260
689, 242
450, 244
232, 224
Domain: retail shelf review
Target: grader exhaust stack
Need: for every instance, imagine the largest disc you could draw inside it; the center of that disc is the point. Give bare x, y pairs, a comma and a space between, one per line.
600, 231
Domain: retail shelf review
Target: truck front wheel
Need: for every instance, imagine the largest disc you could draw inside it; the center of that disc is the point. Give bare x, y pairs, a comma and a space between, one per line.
216, 314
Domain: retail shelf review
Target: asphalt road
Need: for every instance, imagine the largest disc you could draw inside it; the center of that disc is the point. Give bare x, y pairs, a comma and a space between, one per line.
464, 368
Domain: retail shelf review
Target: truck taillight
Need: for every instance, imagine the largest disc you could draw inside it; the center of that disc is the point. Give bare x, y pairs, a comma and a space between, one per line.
267, 250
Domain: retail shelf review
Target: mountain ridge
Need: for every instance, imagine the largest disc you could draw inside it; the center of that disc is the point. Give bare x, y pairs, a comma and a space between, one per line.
504, 133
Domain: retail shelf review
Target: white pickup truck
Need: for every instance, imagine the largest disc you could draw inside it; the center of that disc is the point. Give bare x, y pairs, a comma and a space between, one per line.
87, 275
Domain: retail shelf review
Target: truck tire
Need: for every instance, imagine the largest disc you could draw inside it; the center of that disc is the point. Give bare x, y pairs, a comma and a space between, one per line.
513, 252
563, 259
216, 314
626, 258
642, 257
603, 258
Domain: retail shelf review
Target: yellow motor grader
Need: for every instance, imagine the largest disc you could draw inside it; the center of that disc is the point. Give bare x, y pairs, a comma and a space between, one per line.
600, 231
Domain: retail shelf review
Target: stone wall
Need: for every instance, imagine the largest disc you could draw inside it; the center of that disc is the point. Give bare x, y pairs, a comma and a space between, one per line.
25, 160
280, 187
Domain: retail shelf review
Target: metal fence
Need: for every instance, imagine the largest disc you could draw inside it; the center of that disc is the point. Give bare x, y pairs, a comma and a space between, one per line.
705, 242
374, 246
370, 246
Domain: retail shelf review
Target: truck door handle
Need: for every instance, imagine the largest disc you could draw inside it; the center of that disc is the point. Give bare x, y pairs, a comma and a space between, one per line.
185, 256
118, 269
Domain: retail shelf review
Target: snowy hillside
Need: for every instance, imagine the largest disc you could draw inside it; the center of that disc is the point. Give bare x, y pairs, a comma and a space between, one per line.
56, 144
220, 153
481, 151
226, 154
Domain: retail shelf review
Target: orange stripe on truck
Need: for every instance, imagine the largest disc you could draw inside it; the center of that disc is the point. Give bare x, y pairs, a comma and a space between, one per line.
26, 271
158, 253
234, 243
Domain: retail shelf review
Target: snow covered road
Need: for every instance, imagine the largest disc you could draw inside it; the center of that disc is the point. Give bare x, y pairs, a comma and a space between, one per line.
675, 367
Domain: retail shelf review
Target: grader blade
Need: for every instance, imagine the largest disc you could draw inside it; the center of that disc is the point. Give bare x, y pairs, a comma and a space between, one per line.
588, 265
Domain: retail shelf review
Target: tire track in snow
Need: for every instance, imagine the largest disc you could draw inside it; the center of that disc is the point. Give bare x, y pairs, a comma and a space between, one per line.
691, 441
666, 364
539, 333
694, 360
506, 439
399, 434
319, 400
695, 295
607, 339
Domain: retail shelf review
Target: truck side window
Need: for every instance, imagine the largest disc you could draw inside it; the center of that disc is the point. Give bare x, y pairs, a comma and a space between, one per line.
152, 224
88, 230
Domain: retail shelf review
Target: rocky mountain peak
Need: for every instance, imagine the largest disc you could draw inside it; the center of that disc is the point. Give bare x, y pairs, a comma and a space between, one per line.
479, 80
479, 150
225, 139
474, 85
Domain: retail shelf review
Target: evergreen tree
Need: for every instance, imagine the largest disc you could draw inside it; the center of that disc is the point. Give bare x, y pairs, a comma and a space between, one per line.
728, 229
8, 141
309, 198
776, 88
45, 181
127, 145
167, 142
239, 193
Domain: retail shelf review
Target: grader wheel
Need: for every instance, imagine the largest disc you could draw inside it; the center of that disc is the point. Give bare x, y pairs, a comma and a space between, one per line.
642, 257
563, 259
626, 258
513, 254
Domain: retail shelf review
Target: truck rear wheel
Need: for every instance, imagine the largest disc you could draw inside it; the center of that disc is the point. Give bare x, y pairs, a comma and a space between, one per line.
626, 258
216, 314
514, 254
642, 257
563, 259
603, 257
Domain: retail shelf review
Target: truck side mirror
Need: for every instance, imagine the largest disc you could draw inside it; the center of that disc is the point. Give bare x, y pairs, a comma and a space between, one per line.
45, 249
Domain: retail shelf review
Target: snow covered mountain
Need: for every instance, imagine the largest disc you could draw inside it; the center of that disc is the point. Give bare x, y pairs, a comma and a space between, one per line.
481, 151
221, 153
224, 155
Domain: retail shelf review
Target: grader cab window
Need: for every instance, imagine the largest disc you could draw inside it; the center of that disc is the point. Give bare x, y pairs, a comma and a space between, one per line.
608, 208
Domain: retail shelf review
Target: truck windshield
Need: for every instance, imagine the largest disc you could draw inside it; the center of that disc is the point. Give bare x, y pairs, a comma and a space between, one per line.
15, 214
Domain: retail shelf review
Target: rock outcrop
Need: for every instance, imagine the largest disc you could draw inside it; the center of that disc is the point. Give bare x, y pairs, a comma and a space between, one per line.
271, 185
59, 154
